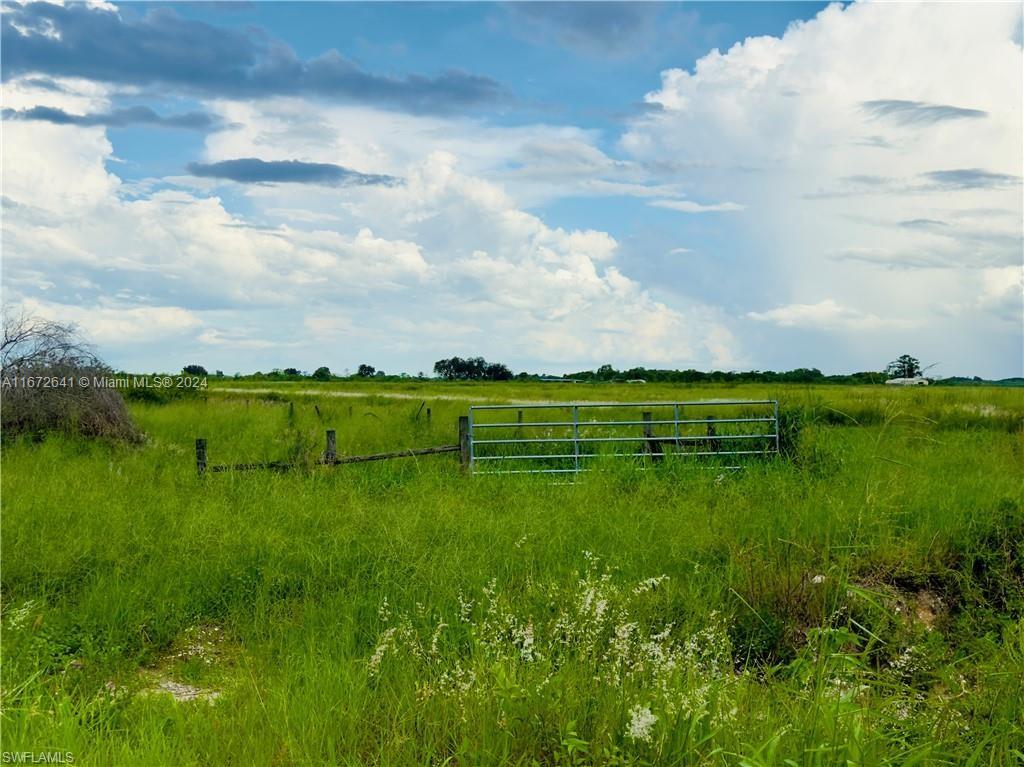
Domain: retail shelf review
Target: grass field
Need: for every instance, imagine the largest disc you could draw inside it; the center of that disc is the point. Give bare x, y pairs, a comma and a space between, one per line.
859, 601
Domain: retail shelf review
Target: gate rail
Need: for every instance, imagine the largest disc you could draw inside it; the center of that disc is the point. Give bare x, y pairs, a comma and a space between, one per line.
576, 442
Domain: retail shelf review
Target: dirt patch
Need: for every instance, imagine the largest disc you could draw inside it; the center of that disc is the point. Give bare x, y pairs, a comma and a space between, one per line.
182, 693
201, 652
928, 607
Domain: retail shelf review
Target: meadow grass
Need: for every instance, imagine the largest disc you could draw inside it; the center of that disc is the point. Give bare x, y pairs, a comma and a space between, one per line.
857, 602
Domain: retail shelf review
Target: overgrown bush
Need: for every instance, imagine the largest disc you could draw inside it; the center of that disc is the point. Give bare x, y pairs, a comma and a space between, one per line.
52, 382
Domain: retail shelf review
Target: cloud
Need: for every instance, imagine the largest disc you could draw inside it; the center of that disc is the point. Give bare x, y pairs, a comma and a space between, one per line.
402, 264
688, 206
779, 123
599, 29
118, 118
162, 48
970, 178
921, 223
109, 321
823, 315
535, 163
1002, 293
249, 170
919, 112
237, 340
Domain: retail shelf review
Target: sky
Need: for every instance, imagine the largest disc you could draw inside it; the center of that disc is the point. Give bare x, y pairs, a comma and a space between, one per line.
555, 186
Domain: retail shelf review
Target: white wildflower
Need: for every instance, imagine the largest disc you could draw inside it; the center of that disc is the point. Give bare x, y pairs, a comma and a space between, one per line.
465, 609
641, 724
387, 641
523, 638
17, 617
441, 626
650, 584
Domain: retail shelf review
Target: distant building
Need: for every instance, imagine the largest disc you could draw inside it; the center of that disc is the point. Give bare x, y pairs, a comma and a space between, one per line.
635, 380
915, 381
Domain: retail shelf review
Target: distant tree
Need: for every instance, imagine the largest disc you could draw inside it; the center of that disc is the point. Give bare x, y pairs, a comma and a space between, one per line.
379, 374
495, 371
219, 374
471, 369
292, 372
365, 371
904, 367
194, 370
322, 373
449, 369
606, 373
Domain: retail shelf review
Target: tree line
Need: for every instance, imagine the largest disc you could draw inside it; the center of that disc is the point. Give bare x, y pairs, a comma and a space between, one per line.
479, 369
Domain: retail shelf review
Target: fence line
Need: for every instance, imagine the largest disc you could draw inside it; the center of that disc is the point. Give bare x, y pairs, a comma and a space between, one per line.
330, 456
574, 452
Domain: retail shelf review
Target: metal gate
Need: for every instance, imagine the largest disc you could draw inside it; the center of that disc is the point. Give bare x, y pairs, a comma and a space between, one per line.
568, 438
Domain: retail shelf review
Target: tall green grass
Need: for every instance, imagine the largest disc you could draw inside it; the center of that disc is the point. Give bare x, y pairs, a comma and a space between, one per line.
859, 602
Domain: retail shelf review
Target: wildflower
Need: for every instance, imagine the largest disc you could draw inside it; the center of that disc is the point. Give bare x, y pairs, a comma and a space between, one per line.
641, 724
650, 584
387, 640
818, 579
523, 637
19, 615
465, 609
441, 626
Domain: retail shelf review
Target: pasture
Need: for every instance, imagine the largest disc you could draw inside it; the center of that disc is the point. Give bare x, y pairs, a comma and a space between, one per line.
859, 600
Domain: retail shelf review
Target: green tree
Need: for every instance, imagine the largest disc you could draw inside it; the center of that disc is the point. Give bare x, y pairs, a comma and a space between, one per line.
322, 373
904, 367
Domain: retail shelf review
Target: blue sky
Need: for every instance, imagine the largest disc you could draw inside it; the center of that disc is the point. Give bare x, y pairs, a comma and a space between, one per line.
552, 185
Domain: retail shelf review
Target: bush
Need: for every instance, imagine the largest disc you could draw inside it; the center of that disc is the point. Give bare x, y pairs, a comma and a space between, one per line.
45, 365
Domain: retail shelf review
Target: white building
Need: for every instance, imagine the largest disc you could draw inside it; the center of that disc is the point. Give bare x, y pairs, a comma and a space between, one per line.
915, 381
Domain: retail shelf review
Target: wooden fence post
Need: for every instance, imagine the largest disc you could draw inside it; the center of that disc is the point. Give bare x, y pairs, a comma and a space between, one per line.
464, 442
653, 446
331, 453
428, 415
714, 445
201, 457
319, 417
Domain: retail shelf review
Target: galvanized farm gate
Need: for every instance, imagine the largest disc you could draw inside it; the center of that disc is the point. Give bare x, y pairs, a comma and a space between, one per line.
567, 438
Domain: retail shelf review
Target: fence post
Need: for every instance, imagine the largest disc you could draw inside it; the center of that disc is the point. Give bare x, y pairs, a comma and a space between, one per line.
331, 453
201, 457
428, 415
775, 415
575, 438
714, 445
464, 442
653, 446
319, 417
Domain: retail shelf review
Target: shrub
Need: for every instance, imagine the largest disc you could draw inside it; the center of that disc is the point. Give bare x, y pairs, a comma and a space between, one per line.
45, 365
